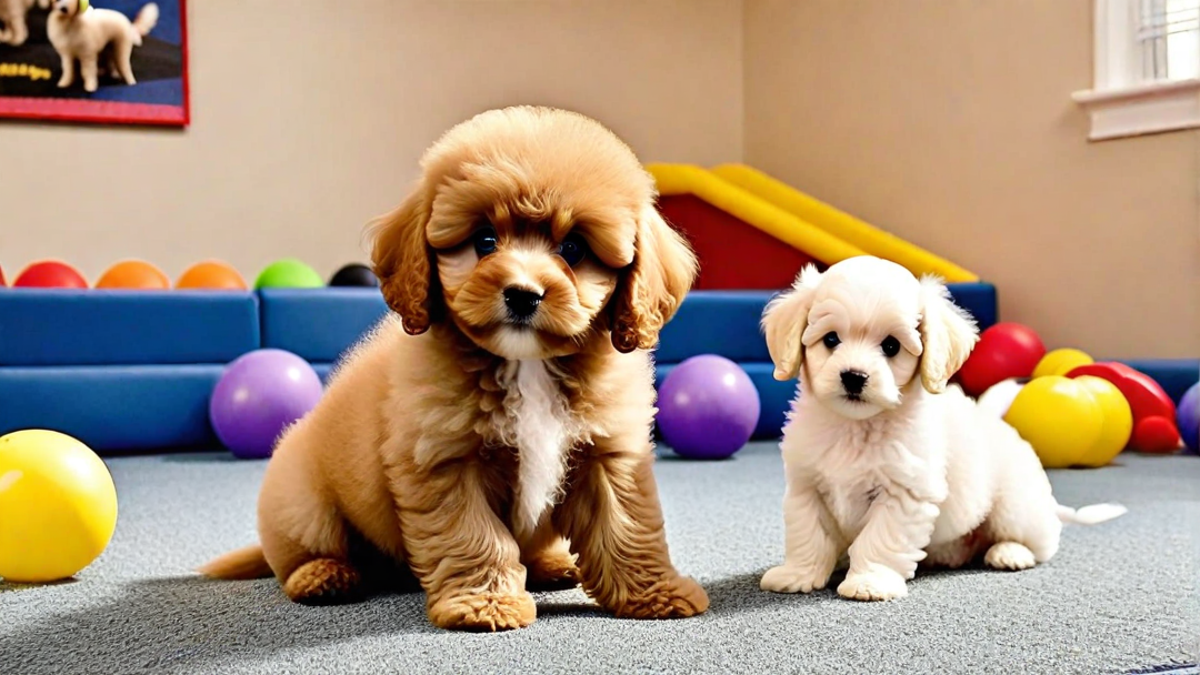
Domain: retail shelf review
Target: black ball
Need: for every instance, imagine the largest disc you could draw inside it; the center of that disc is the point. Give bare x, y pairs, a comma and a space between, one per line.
354, 274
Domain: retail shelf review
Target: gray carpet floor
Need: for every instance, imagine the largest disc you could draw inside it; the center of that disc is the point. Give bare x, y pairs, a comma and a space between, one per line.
1120, 596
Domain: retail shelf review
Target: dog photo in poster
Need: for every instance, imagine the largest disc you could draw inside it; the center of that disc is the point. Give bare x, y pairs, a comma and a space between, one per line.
107, 61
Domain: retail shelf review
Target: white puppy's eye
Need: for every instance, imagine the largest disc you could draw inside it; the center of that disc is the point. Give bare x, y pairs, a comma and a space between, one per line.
831, 340
890, 346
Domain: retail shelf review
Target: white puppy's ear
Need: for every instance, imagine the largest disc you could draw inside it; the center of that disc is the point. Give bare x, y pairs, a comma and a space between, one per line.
784, 320
948, 334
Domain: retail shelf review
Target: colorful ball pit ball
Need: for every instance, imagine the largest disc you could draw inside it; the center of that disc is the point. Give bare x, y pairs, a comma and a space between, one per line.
134, 275
59, 506
211, 275
354, 274
289, 273
1153, 410
259, 395
50, 274
1061, 361
999, 397
1005, 350
1188, 418
1080, 422
2, 281
707, 408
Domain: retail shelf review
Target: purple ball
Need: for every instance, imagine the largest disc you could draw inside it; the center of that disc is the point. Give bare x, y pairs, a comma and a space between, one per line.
707, 407
1188, 417
258, 396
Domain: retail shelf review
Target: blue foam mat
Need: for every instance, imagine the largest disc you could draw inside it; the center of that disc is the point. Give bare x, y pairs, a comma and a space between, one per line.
57, 327
112, 407
1173, 375
727, 322
318, 324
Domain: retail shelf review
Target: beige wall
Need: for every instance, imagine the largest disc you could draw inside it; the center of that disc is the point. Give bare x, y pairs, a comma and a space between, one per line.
309, 117
950, 123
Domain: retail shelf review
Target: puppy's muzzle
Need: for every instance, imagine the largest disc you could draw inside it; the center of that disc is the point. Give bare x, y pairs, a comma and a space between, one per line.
854, 382
522, 303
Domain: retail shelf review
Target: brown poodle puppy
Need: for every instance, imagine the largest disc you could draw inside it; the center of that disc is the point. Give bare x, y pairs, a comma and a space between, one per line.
498, 432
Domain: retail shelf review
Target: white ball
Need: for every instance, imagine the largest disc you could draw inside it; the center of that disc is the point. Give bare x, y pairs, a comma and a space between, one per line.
999, 397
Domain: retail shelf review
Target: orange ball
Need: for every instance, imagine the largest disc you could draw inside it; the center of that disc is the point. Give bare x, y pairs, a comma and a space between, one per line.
134, 274
211, 274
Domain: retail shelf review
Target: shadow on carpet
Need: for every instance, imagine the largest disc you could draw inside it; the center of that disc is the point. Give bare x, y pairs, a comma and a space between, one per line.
189, 623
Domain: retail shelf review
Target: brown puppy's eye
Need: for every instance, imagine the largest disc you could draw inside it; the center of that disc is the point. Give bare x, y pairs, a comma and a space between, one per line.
485, 241
573, 249
890, 346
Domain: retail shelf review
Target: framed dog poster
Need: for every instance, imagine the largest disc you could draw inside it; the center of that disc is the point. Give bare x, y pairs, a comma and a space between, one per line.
98, 61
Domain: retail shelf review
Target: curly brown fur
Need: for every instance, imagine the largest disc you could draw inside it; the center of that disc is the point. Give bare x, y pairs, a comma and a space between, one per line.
487, 450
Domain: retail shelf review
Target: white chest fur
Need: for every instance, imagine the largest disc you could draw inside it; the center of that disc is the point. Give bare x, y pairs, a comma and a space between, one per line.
541, 426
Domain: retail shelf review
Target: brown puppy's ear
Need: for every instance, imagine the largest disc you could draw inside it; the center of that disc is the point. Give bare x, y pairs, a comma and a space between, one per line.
663, 270
405, 264
948, 335
783, 322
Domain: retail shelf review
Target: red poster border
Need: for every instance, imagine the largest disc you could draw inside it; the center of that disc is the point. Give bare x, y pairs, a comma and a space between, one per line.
108, 112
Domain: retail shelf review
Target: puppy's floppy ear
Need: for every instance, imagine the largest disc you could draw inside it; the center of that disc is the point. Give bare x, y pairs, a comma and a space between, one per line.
784, 319
663, 270
948, 334
405, 263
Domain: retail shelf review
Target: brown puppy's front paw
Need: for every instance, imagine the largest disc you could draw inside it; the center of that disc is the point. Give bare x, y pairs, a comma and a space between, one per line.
552, 571
674, 598
484, 612
324, 581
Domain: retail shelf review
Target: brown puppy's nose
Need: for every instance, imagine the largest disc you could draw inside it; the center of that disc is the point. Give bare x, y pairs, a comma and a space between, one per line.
522, 303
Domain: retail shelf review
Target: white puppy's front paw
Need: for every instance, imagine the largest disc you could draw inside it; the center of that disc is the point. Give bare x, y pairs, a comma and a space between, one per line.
1009, 555
785, 579
877, 583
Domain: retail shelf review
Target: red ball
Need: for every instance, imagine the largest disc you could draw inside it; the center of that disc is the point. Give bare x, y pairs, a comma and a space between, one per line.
50, 274
1154, 427
1004, 350
2, 282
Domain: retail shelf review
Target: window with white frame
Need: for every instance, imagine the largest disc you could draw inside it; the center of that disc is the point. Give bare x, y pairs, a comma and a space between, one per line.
1146, 68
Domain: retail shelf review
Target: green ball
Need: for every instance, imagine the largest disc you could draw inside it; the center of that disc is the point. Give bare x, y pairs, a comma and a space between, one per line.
288, 273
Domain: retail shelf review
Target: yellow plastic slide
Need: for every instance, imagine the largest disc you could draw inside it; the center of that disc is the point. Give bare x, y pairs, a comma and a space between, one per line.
818, 229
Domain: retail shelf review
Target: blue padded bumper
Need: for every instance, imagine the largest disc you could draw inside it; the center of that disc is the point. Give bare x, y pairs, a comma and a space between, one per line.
56, 327
727, 322
1173, 375
319, 324
112, 407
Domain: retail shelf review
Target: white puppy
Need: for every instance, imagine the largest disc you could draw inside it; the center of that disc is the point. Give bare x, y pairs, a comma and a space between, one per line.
884, 461
14, 29
80, 32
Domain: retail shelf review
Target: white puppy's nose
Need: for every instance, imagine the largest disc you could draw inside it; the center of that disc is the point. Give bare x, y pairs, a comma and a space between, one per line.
853, 381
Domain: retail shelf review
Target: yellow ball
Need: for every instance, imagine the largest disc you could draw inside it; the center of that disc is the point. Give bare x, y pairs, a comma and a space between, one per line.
1061, 362
1059, 417
1116, 420
58, 506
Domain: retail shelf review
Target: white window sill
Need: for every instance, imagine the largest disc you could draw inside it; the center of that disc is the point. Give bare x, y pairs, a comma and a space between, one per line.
1141, 109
